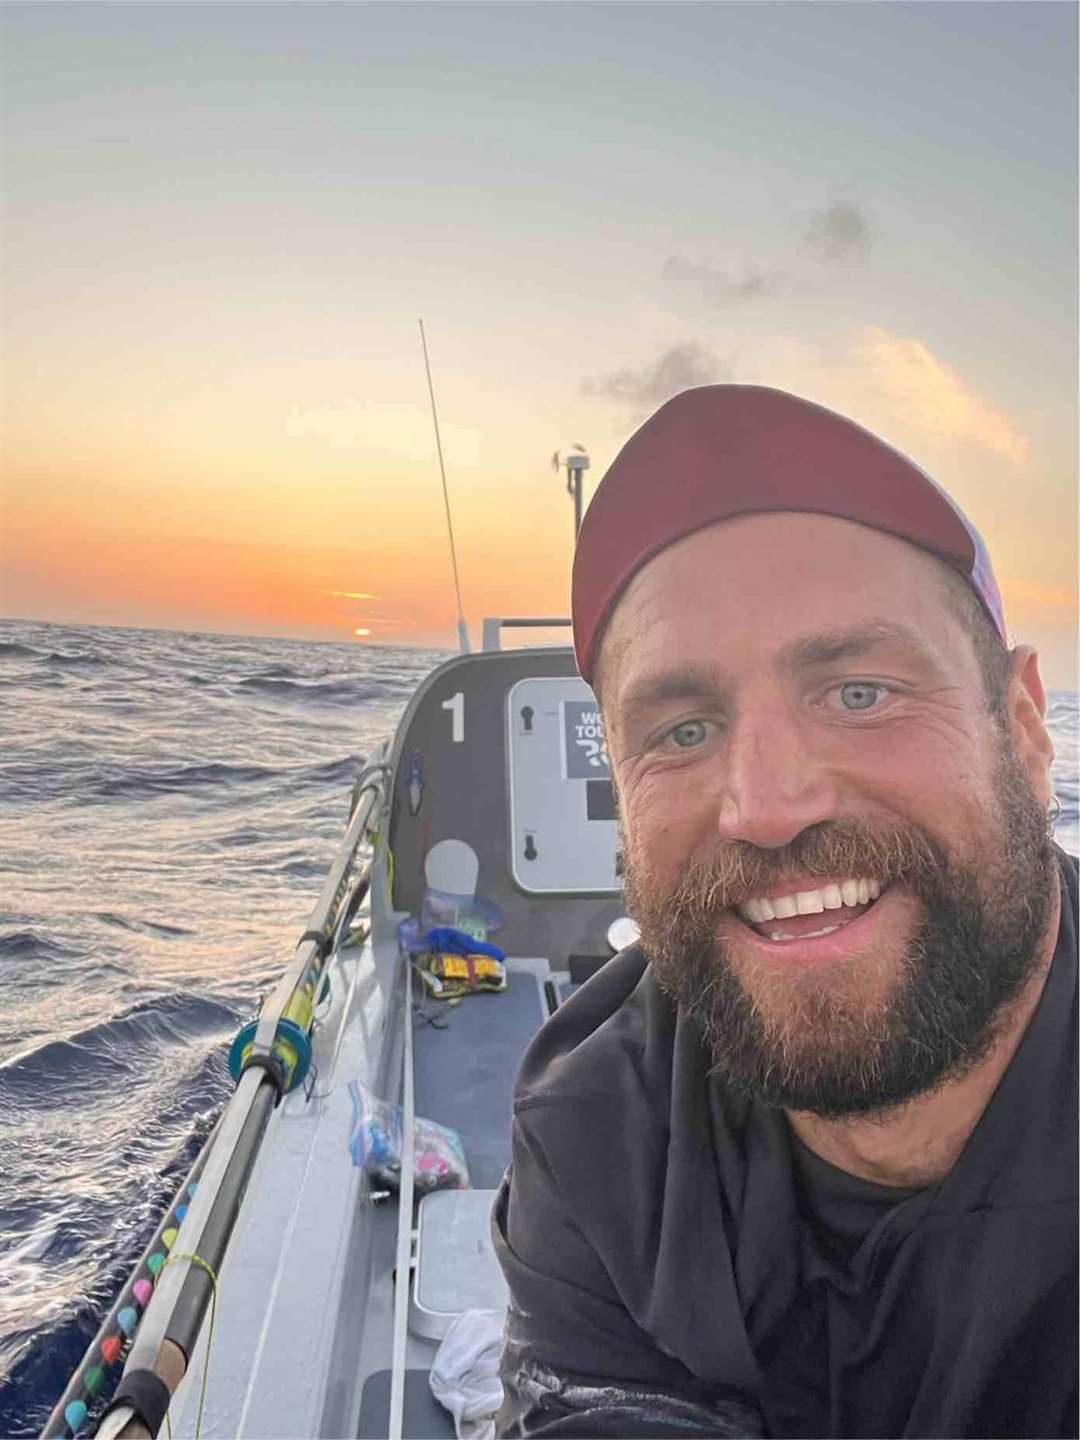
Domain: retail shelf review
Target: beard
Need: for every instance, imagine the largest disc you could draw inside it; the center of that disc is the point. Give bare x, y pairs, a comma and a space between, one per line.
871, 1032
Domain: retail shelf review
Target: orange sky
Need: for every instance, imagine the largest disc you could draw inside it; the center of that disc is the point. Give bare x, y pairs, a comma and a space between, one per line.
220, 526
214, 407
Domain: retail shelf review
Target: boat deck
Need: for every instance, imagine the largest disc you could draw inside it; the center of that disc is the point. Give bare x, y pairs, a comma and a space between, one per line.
464, 1070
496, 791
464, 1074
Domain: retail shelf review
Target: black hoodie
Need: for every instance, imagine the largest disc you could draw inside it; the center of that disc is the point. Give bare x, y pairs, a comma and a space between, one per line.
679, 1264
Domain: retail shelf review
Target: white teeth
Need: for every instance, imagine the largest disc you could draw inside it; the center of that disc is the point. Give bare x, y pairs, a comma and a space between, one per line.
809, 902
759, 910
832, 897
810, 935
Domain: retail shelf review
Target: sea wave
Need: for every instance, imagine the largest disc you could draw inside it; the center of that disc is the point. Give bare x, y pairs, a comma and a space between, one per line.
342, 771
149, 784
75, 781
47, 1075
76, 659
142, 926
35, 945
307, 691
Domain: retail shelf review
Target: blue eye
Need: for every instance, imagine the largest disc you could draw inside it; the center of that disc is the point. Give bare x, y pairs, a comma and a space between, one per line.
689, 734
858, 695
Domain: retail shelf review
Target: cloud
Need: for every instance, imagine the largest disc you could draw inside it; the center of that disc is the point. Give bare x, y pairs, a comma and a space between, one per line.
680, 368
708, 285
931, 396
401, 430
838, 233
352, 594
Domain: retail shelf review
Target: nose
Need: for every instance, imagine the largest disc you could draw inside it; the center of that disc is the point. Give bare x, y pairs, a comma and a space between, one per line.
774, 785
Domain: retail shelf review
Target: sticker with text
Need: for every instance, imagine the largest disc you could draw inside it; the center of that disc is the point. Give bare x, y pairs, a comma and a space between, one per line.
586, 750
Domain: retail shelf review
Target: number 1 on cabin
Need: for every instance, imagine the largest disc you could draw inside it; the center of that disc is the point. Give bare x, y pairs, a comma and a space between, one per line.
456, 706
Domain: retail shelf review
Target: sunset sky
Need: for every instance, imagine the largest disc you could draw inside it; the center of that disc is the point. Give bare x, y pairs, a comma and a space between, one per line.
221, 223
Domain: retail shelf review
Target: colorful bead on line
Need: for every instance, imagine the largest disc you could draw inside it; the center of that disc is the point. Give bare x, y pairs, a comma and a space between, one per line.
142, 1290
192, 1188
110, 1349
181, 1211
75, 1415
128, 1320
168, 1238
155, 1263
94, 1379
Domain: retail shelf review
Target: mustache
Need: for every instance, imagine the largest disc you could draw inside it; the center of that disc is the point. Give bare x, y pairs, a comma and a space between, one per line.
731, 875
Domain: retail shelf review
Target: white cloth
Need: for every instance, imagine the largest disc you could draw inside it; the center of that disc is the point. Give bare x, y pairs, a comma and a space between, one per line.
465, 1372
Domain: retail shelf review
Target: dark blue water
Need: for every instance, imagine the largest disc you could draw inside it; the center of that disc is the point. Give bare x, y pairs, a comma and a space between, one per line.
169, 805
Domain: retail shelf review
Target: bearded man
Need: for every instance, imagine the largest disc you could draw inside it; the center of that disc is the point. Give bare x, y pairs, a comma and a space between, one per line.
803, 1162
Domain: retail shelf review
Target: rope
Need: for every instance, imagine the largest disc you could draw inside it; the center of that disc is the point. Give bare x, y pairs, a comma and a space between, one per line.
198, 1260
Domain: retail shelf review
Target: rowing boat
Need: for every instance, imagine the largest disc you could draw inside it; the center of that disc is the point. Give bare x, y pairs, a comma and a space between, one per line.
292, 1289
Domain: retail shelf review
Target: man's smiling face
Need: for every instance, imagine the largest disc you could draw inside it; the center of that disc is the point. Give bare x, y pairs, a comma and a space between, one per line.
836, 854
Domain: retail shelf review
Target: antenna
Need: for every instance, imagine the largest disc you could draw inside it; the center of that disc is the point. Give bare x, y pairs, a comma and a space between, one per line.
575, 464
463, 634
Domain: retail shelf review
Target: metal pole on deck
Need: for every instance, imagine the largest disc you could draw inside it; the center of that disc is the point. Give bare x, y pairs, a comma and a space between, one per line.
575, 463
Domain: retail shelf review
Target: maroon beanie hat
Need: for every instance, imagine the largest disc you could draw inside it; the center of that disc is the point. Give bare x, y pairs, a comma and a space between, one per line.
725, 450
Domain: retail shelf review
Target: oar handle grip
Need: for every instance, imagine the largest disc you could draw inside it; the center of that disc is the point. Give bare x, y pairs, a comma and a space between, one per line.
123, 1423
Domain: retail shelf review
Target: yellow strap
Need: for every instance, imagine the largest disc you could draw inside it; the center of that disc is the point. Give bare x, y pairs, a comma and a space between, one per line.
198, 1260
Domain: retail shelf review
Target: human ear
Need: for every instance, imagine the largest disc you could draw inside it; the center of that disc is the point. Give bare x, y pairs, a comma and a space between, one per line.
1026, 703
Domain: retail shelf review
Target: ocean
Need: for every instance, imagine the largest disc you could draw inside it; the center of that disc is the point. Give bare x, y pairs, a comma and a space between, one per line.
169, 805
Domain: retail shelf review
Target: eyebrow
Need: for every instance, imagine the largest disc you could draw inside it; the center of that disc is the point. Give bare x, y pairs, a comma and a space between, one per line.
709, 684
683, 682
828, 646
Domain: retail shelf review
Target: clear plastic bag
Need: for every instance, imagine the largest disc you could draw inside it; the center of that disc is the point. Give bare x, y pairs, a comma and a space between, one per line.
376, 1146
477, 917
